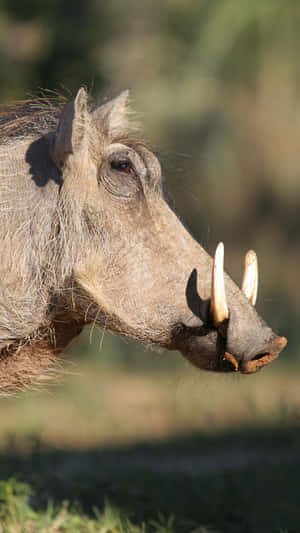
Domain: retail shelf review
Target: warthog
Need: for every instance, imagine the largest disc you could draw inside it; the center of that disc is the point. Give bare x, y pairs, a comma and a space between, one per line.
87, 236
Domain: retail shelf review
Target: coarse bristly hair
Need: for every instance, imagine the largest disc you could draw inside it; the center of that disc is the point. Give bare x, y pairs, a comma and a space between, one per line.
40, 115
32, 116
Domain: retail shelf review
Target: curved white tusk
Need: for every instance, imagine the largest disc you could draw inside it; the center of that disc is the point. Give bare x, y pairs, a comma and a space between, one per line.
218, 304
250, 279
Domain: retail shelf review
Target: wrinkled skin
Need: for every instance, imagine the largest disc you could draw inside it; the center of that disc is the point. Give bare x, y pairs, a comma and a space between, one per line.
151, 263
114, 253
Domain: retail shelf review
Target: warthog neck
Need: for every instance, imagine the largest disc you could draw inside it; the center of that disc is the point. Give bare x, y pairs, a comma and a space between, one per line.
23, 361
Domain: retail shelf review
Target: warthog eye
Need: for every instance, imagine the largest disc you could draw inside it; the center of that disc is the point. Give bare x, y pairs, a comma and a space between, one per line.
123, 166
120, 176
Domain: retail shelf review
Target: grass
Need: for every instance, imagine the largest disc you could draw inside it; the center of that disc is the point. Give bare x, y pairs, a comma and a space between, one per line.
18, 515
157, 452
183, 485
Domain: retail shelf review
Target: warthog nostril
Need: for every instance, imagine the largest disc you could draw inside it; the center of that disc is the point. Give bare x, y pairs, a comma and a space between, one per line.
260, 356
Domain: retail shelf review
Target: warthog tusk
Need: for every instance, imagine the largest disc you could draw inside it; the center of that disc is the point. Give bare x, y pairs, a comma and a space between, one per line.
218, 304
250, 279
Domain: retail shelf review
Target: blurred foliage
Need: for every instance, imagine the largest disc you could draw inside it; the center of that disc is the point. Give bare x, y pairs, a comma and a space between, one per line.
218, 83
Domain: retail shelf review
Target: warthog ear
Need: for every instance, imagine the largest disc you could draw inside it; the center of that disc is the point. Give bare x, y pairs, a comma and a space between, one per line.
71, 129
112, 118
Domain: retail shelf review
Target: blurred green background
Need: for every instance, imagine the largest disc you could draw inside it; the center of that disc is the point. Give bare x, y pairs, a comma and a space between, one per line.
216, 86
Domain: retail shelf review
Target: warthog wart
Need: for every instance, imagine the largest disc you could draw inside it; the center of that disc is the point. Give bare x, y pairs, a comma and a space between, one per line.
87, 236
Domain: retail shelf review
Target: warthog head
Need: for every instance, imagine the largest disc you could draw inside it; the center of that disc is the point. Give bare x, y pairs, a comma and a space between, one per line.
87, 236
135, 268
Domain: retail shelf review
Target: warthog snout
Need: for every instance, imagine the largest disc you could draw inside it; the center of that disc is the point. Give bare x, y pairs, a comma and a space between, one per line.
230, 336
271, 351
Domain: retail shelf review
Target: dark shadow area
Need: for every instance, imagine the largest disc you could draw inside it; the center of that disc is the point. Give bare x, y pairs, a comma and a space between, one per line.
242, 481
197, 305
42, 169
